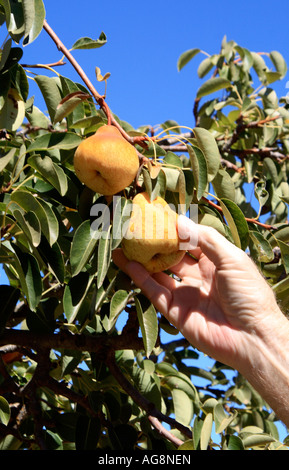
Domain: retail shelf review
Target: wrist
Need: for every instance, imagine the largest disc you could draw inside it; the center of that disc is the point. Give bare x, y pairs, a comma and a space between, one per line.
267, 368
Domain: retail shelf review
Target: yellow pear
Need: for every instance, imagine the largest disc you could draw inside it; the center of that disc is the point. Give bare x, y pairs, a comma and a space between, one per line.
106, 162
152, 236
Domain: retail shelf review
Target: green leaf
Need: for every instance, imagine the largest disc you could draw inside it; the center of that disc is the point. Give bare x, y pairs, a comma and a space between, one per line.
183, 407
234, 443
186, 56
88, 43
30, 225
13, 112
223, 185
284, 248
207, 143
147, 385
28, 271
121, 214
50, 171
9, 296
200, 171
82, 247
103, 256
206, 431
61, 141
263, 247
75, 294
118, 303
236, 222
4, 411
5, 159
261, 192
205, 66
50, 89
259, 66
6, 49
222, 420
279, 63
148, 321
53, 258
257, 440
34, 16
42, 210
68, 104
212, 85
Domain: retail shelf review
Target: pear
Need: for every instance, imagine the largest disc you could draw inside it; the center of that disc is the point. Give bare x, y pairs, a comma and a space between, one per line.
152, 236
106, 162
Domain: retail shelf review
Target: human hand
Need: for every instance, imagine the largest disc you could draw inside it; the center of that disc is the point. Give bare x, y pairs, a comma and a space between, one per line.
220, 302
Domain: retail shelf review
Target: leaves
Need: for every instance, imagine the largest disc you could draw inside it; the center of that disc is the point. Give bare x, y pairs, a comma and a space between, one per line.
42, 210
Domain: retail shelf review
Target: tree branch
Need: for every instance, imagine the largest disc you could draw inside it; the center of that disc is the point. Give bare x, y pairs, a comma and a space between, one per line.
67, 340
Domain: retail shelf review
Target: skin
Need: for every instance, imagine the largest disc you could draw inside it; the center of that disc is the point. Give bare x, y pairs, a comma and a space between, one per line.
225, 308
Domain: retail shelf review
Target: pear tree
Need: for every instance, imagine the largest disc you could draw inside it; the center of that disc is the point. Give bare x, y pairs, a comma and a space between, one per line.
86, 361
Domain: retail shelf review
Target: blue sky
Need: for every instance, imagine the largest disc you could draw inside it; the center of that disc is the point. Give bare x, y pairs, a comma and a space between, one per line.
144, 41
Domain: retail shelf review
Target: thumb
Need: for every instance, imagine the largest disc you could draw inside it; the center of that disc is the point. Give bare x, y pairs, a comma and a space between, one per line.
207, 240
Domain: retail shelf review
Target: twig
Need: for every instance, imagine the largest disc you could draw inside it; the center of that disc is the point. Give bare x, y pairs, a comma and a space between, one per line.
41, 66
100, 99
253, 221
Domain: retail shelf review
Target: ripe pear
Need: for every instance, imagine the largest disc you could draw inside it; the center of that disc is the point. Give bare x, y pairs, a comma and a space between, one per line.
152, 236
106, 162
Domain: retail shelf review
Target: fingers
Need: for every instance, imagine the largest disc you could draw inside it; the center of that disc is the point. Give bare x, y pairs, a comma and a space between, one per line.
158, 294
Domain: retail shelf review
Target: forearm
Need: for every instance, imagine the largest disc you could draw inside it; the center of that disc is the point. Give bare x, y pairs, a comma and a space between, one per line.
268, 367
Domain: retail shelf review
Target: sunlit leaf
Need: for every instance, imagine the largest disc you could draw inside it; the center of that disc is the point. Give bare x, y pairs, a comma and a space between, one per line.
207, 143
206, 431
200, 171
104, 256
4, 411
279, 63
13, 112
236, 222
66, 141
88, 43
34, 16
186, 56
50, 171
82, 247
49, 87
212, 85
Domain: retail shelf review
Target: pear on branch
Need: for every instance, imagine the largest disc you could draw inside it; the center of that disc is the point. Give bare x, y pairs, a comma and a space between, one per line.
106, 162
152, 237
